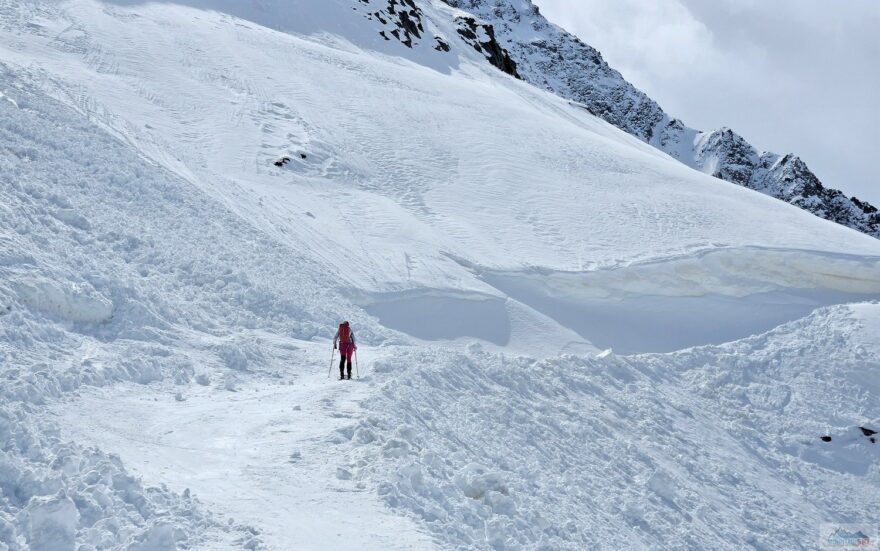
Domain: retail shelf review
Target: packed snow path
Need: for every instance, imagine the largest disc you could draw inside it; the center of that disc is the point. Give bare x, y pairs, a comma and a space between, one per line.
261, 455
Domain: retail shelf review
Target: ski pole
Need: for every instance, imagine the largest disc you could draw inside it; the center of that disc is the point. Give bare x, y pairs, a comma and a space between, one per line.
332, 353
358, 369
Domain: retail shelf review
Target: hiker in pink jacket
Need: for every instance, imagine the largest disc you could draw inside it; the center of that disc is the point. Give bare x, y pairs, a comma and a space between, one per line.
345, 339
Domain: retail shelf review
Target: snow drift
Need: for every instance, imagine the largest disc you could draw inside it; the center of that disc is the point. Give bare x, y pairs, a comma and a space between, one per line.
713, 447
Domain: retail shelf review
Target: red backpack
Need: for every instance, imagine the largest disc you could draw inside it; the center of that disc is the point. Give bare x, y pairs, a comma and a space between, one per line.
344, 333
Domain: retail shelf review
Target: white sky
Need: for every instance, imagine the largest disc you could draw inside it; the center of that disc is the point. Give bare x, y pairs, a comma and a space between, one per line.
799, 76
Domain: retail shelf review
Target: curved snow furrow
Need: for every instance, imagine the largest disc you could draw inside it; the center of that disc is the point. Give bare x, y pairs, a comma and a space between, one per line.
729, 271
716, 447
711, 296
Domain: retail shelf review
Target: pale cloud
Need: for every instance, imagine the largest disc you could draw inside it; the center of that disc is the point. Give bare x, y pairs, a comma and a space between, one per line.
796, 76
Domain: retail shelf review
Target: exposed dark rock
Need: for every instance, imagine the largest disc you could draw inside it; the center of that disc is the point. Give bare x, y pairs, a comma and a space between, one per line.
825, 438
481, 36
442, 45
402, 18
867, 431
282, 161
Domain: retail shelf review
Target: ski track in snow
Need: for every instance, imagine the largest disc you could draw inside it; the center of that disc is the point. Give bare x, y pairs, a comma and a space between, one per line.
166, 295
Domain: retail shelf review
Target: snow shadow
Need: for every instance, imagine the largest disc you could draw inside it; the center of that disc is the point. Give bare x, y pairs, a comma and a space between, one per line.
443, 317
668, 323
711, 298
849, 452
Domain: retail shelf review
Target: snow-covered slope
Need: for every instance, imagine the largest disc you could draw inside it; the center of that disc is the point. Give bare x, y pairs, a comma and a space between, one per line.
168, 291
551, 58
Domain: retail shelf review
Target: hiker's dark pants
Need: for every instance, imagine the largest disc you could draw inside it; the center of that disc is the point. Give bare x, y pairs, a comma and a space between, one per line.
345, 351
342, 366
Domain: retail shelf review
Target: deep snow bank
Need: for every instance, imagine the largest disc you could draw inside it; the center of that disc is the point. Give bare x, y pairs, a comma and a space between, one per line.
709, 297
714, 447
113, 270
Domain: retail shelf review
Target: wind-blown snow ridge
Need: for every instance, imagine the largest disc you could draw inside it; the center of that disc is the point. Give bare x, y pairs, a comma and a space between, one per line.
553, 59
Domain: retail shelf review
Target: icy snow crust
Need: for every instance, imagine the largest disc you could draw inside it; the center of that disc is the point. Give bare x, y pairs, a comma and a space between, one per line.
166, 294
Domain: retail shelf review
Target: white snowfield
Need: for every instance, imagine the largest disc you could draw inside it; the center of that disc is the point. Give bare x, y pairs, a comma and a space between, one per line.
167, 296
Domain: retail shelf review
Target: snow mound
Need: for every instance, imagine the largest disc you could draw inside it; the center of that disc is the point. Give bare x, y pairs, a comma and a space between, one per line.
57, 495
78, 303
659, 450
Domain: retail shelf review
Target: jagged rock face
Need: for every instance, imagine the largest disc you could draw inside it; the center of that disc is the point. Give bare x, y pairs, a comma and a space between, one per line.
727, 155
560, 62
797, 185
551, 58
481, 36
731, 157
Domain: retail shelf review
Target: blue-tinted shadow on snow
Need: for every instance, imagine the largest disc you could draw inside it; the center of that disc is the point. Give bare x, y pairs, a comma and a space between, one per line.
654, 323
718, 295
707, 298
438, 316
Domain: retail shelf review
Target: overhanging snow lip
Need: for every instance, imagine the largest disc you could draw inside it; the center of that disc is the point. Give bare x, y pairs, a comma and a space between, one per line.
730, 271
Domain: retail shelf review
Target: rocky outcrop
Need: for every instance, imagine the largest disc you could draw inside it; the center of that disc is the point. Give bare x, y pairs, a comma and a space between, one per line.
481, 37
401, 19
404, 21
549, 57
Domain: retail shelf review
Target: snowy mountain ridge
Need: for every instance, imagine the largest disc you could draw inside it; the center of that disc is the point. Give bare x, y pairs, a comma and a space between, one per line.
551, 58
